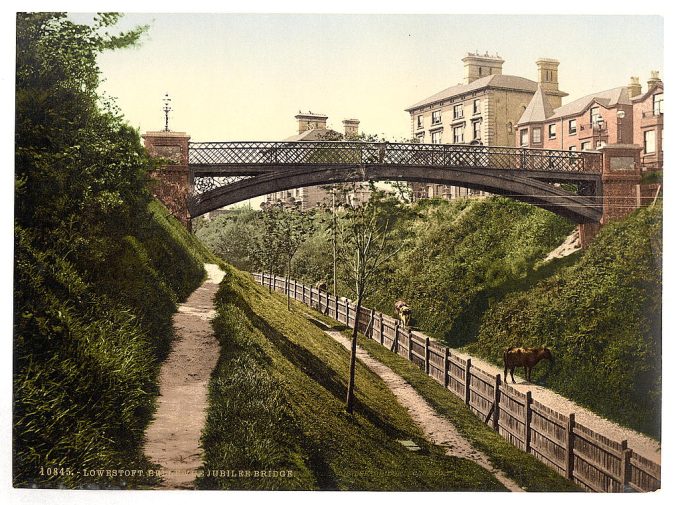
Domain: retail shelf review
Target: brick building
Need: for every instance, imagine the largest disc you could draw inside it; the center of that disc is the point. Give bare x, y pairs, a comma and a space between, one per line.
622, 115
484, 109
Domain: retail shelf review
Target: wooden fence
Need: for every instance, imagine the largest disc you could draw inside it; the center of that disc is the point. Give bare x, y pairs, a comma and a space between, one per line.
590, 459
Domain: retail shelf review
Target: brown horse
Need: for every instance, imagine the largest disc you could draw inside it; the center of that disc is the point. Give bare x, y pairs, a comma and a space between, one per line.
403, 312
526, 357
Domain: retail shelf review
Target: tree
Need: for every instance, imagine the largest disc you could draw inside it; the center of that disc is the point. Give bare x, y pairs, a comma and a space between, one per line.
81, 171
293, 227
266, 250
365, 244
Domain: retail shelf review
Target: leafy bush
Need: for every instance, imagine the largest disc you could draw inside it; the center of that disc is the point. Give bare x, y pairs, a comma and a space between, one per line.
602, 316
459, 257
98, 266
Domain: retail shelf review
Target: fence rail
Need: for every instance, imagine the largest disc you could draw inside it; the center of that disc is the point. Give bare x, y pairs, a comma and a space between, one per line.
593, 461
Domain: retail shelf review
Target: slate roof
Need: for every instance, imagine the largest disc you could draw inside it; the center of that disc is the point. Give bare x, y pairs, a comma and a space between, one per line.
538, 109
498, 81
607, 98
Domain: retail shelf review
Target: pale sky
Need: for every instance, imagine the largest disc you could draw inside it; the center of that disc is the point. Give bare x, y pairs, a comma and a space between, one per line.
245, 76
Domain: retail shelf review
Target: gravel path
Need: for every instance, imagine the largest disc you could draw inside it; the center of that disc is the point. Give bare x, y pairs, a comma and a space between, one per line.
173, 437
437, 429
642, 444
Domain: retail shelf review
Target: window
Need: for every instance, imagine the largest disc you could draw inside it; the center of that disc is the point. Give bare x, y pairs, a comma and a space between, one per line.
536, 135
436, 117
658, 104
572, 148
572, 127
458, 111
458, 134
585, 146
420, 123
650, 142
524, 137
437, 137
552, 131
420, 138
477, 106
594, 115
477, 130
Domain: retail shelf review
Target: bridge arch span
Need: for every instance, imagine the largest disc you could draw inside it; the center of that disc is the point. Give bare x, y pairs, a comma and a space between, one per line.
516, 184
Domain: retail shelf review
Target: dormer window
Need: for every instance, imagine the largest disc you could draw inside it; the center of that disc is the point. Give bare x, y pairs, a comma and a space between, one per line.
658, 104
594, 115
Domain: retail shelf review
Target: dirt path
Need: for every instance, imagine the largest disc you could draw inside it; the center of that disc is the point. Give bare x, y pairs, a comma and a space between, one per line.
642, 444
437, 429
173, 438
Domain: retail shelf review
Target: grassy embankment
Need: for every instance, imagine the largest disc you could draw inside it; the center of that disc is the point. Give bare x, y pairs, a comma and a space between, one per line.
474, 275
277, 403
88, 346
602, 318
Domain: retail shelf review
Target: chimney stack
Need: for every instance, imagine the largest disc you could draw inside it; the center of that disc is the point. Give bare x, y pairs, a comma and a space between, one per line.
478, 66
634, 87
547, 74
653, 80
351, 127
310, 121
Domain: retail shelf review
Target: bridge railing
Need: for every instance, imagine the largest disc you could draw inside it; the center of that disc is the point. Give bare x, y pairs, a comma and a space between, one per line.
386, 153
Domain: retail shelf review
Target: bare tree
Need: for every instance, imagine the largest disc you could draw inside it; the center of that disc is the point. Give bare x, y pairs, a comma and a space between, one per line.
365, 245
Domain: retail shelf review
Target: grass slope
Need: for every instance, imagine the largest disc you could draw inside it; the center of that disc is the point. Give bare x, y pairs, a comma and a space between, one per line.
523, 468
602, 317
277, 403
459, 257
87, 348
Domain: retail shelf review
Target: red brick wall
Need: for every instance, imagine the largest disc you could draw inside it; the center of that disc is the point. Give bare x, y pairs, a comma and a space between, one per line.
171, 182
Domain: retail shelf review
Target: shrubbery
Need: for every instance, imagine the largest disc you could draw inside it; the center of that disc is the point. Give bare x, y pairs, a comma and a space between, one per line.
602, 317
98, 267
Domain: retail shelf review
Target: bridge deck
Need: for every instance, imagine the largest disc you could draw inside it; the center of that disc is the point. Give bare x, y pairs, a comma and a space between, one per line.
227, 172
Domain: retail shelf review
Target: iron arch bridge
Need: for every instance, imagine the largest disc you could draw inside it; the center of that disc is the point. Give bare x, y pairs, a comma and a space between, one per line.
568, 183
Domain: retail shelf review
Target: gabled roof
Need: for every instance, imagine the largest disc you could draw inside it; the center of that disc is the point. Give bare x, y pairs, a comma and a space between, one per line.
538, 110
499, 81
651, 90
607, 98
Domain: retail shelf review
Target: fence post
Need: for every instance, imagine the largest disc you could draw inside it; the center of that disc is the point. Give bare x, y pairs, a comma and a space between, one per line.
427, 354
625, 464
369, 326
335, 314
497, 401
409, 345
468, 364
570, 447
382, 331
527, 423
327, 310
446, 367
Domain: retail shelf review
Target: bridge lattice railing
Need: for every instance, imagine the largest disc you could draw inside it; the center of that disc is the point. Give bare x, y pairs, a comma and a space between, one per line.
385, 153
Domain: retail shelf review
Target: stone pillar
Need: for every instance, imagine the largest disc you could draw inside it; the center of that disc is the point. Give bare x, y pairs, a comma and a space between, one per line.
172, 181
621, 177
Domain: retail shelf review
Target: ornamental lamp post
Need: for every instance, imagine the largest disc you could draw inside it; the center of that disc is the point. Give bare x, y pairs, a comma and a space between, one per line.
166, 109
